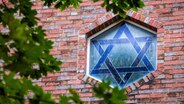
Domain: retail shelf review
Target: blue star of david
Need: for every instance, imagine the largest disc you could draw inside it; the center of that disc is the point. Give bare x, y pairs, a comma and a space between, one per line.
111, 69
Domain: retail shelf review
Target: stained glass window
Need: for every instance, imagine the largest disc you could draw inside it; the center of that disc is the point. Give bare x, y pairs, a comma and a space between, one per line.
123, 54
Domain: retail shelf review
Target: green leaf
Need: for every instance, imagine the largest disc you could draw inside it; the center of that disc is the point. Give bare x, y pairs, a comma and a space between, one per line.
122, 15
75, 97
95, 0
64, 100
109, 95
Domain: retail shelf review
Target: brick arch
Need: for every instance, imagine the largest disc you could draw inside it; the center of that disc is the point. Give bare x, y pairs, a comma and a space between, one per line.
105, 21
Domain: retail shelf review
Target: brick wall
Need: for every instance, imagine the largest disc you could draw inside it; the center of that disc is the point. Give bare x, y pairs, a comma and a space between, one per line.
69, 30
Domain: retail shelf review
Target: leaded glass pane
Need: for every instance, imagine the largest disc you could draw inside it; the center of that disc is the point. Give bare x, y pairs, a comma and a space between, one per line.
122, 54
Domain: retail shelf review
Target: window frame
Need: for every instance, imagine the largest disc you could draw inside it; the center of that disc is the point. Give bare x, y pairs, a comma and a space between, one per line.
106, 29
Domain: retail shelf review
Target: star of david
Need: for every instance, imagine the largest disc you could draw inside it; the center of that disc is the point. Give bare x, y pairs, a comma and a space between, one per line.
111, 69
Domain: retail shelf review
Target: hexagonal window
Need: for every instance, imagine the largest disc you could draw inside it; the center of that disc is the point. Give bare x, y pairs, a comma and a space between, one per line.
122, 54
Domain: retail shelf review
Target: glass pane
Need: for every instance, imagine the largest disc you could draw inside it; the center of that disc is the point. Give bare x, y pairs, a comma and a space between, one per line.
122, 54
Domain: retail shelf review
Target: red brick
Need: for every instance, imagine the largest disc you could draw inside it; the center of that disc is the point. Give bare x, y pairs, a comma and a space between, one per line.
175, 85
73, 17
162, 10
134, 14
59, 92
128, 90
178, 13
49, 88
156, 95
74, 82
142, 96
163, 2
174, 22
174, 62
64, 22
176, 71
144, 87
46, 11
168, 76
37, 7
85, 94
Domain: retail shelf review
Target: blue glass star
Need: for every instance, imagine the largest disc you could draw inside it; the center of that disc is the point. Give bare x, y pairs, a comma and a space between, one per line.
134, 68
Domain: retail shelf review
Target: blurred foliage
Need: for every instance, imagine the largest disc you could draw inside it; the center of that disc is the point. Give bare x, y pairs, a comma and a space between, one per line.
24, 53
116, 6
108, 94
16, 90
24, 49
74, 98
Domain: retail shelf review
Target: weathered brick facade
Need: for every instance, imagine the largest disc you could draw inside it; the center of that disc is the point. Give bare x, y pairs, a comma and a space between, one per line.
70, 29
